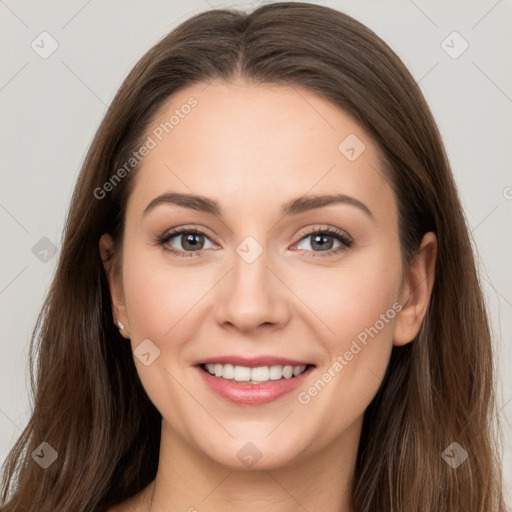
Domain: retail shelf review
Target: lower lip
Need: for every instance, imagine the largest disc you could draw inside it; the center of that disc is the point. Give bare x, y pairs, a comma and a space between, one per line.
253, 394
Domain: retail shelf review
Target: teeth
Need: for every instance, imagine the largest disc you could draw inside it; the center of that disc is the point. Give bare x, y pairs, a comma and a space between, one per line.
253, 375
242, 374
260, 374
297, 370
218, 370
228, 371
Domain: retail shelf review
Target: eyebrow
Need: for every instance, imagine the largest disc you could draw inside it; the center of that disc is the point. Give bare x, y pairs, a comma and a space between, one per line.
292, 207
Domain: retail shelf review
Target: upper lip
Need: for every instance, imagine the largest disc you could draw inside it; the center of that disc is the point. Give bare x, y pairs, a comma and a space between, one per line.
253, 362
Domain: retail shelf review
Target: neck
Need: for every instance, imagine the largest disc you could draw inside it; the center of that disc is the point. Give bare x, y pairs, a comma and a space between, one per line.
187, 480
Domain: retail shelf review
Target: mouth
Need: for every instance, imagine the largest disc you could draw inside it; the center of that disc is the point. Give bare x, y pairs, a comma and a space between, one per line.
254, 375
254, 385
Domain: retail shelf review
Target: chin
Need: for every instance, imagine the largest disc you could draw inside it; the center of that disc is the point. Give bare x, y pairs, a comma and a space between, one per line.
255, 452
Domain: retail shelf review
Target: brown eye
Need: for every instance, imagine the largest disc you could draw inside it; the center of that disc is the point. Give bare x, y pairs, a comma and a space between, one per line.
183, 241
324, 242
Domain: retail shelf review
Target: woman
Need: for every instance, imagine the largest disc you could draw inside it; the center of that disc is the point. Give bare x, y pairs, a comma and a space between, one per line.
266, 296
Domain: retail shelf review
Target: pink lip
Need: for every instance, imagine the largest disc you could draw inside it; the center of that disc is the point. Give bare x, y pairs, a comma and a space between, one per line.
253, 362
253, 394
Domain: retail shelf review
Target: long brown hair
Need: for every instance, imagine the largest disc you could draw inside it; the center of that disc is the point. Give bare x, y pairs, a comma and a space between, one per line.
89, 404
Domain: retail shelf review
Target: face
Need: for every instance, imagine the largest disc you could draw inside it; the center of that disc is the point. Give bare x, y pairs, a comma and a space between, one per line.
269, 272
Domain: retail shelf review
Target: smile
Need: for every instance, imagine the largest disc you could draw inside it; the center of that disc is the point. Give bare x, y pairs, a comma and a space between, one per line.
243, 385
254, 375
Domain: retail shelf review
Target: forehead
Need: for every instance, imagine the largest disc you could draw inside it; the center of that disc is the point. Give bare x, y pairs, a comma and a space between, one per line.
245, 143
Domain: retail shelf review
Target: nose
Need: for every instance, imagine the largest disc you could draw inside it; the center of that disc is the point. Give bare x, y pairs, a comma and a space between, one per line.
252, 297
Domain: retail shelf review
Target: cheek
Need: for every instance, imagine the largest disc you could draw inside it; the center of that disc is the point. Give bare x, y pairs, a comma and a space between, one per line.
360, 307
158, 296
160, 303
353, 297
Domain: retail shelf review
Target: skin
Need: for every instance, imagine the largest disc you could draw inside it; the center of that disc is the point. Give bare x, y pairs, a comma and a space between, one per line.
253, 148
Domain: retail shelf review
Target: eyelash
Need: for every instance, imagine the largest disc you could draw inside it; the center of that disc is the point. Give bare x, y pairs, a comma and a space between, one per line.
345, 241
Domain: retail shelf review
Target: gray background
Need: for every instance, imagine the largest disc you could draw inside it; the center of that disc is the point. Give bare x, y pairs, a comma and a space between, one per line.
50, 108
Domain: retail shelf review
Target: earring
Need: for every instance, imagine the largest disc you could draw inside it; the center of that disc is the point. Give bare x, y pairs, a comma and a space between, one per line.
120, 326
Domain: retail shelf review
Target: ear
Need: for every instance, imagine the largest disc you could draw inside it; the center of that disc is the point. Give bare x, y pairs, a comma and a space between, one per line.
111, 265
416, 291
